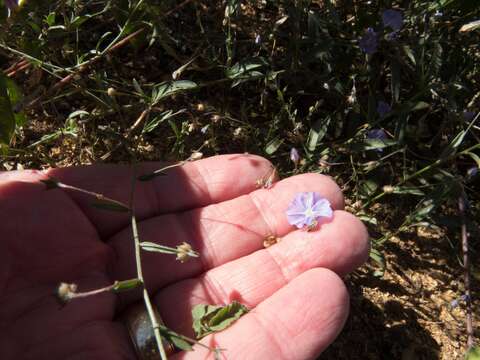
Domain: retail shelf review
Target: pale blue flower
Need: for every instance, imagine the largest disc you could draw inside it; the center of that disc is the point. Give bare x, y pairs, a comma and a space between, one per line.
369, 42
306, 208
392, 19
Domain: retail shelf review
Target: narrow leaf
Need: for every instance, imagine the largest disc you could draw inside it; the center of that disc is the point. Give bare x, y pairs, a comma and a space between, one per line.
111, 205
153, 247
176, 339
317, 132
7, 119
51, 183
475, 157
171, 87
126, 285
273, 145
373, 144
474, 25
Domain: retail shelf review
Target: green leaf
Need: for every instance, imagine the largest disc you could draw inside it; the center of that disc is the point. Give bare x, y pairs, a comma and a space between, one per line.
213, 318
473, 354
51, 183
372, 144
50, 19
137, 87
317, 132
153, 247
421, 105
408, 50
407, 190
78, 113
273, 145
176, 339
7, 119
111, 205
165, 89
157, 120
453, 146
457, 140
368, 187
396, 79
16, 98
474, 25
475, 157
245, 68
377, 256
126, 285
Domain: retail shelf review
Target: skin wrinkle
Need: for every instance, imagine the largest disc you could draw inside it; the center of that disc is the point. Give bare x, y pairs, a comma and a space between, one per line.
203, 178
285, 278
215, 292
270, 225
47, 174
269, 334
207, 253
286, 272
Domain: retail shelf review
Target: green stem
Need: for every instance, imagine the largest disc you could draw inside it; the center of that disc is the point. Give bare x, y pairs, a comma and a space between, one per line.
138, 261
408, 178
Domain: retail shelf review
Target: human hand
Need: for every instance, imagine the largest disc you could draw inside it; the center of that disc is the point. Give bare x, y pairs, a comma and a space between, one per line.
299, 303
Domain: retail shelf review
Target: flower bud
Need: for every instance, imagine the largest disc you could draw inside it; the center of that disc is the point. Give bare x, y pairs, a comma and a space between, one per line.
294, 156
197, 155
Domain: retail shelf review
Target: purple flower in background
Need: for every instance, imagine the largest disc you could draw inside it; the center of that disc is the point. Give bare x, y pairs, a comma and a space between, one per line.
472, 172
392, 19
468, 115
383, 109
11, 4
294, 156
377, 134
369, 42
454, 303
306, 208
391, 36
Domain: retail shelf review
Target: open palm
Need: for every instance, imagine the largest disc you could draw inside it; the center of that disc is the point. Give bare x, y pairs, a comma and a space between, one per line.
299, 303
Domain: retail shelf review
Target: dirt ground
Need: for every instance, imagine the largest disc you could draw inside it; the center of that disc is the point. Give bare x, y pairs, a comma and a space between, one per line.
406, 314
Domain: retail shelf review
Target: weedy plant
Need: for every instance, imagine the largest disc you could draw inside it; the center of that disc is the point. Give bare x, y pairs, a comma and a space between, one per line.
383, 96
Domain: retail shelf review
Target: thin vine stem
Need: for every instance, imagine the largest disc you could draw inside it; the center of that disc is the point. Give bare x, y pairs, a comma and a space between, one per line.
138, 261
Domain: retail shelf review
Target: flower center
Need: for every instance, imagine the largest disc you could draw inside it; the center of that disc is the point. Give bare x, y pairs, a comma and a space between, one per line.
309, 212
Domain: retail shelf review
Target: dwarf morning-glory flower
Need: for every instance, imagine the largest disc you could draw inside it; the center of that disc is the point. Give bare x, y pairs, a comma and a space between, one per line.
392, 19
383, 108
307, 208
369, 42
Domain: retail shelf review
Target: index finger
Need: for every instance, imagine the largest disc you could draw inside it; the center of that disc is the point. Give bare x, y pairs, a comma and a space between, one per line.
192, 185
